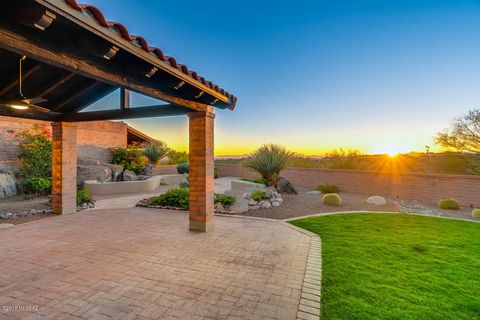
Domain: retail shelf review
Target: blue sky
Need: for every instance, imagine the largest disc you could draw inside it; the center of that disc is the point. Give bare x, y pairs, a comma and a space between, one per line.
317, 75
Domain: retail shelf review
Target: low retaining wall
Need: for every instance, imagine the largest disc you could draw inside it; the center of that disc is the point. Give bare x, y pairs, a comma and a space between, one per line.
417, 186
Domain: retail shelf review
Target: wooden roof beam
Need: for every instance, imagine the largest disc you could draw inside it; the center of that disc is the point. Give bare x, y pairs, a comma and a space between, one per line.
130, 113
16, 43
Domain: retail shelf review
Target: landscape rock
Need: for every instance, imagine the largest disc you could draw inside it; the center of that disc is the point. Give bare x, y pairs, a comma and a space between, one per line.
116, 169
148, 170
219, 207
6, 225
275, 204
377, 200
265, 205
93, 172
314, 192
284, 186
8, 184
252, 202
129, 175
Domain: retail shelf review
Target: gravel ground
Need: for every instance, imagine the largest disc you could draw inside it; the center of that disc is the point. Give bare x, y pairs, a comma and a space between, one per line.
304, 204
19, 203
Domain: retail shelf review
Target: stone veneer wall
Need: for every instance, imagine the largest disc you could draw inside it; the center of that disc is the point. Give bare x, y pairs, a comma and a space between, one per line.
417, 186
93, 138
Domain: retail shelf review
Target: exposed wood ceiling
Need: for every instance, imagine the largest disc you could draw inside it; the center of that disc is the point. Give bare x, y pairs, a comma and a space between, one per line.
72, 66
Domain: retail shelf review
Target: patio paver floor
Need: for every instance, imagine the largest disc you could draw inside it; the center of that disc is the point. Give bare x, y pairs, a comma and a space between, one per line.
144, 264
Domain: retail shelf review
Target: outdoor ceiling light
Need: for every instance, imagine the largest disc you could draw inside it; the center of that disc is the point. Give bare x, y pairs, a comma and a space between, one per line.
18, 105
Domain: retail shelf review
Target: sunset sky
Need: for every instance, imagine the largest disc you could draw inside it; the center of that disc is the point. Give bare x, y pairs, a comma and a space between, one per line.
379, 76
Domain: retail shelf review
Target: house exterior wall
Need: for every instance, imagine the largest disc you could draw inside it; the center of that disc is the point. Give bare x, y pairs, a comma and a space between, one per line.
93, 138
417, 186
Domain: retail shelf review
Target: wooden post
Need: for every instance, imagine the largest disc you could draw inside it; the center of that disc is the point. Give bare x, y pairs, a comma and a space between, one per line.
64, 167
201, 139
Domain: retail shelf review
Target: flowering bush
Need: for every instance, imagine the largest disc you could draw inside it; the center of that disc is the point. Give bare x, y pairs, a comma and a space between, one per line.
35, 153
131, 157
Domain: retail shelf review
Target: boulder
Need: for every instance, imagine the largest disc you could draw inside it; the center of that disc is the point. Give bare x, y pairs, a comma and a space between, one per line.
284, 186
117, 170
377, 200
93, 172
148, 170
129, 175
8, 184
265, 205
275, 204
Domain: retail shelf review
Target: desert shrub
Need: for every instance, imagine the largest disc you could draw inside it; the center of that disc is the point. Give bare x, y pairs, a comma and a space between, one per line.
343, 159
83, 196
258, 180
172, 198
449, 204
332, 199
225, 199
37, 186
35, 153
269, 160
328, 188
183, 168
476, 213
176, 157
131, 157
257, 195
155, 151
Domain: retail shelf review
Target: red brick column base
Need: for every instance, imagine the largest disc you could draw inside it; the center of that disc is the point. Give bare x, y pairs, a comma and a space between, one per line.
64, 167
201, 179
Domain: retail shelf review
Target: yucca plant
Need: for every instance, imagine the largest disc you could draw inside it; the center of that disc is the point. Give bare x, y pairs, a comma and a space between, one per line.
269, 160
155, 151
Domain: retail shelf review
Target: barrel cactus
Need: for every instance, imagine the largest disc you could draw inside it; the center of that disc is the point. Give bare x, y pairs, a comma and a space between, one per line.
476, 213
183, 168
449, 204
332, 199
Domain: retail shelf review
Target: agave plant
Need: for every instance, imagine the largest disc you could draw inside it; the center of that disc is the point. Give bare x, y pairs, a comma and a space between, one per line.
269, 160
155, 151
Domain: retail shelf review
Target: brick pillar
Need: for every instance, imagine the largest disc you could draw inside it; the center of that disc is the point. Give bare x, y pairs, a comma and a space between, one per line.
64, 167
201, 170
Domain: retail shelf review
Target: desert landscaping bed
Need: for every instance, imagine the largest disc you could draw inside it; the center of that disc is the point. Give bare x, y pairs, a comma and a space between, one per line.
301, 204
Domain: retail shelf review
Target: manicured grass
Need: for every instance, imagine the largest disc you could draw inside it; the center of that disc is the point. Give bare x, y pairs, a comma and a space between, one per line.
397, 266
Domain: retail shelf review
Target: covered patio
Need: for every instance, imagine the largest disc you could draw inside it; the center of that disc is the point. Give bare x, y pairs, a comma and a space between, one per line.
59, 56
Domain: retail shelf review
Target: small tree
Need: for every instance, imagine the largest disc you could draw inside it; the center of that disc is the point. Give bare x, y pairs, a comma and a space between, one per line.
463, 134
269, 160
155, 151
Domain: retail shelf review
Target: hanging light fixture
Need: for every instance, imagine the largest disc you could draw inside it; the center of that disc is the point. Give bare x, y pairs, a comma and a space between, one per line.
22, 103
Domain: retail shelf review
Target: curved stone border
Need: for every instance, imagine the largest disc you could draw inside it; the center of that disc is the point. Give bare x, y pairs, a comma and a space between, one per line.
377, 212
309, 305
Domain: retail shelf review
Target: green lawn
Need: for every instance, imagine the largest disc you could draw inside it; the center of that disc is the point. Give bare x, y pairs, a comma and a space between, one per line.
397, 266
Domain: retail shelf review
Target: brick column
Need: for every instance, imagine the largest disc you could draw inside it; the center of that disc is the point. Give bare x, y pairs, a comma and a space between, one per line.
64, 167
201, 170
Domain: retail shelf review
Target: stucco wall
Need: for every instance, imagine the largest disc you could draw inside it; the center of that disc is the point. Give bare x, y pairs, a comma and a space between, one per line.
93, 138
418, 186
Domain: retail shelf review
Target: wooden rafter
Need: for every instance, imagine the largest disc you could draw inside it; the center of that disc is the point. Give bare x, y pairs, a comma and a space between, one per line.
75, 96
37, 66
56, 85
